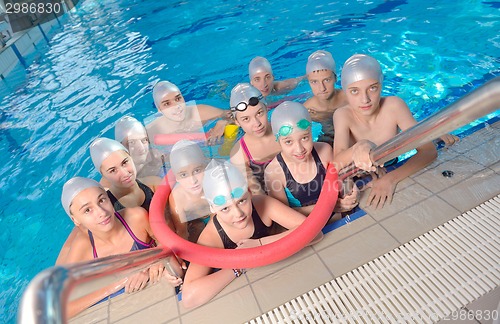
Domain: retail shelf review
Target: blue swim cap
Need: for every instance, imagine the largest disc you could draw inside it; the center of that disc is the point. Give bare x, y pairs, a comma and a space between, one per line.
161, 89
73, 187
223, 182
259, 64
360, 67
101, 148
320, 60
289, 117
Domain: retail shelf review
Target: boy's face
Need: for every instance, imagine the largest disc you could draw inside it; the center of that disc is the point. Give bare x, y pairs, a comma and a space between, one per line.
190, 178
322, 83
93, 210
297, 146
263, 81
138, 146
253, 120
119, 169
364, 96
236, 213
173, 106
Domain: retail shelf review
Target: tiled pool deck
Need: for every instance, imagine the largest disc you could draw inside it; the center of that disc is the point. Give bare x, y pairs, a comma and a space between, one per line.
421, 203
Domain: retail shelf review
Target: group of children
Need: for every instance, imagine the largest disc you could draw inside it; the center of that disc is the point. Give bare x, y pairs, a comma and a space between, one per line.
274, 175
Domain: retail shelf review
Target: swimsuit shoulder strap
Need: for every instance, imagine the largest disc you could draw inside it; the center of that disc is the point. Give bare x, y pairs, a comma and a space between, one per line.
148, 195
116, 203
226, 241
319, 165
245, 149
129, 230
91, 238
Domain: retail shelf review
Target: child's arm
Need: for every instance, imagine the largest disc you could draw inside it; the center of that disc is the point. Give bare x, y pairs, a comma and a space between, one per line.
384, 187
200, 283
284, 86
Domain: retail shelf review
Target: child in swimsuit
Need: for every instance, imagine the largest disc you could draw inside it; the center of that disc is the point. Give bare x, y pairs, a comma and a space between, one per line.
190, 211
320, 70
295, 176
118, 171
377, 119
241, 220
177, 117
253, 152
262, 77
132, 134
89, 207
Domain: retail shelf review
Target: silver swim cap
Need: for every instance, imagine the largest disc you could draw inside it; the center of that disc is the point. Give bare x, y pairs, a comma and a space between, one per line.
259, 64
185, 153
73, 187
320, 60
101, 148
240, 97
360, 67
161, 89
223, 182
127, 126
289, 117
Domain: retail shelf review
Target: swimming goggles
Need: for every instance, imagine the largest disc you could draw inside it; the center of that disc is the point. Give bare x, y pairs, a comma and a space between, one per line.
242, 106
235, 194
286, 130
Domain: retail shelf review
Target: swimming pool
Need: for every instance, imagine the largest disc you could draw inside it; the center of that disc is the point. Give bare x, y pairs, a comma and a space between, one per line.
104, 60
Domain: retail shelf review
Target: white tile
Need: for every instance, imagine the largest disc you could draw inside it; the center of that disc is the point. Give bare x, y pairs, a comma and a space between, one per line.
473, 191
400, 201
288, 283
237, 307
461, 167
358, 249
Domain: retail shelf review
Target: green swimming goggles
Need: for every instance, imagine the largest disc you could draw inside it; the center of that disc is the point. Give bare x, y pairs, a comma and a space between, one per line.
286, 130
235, 194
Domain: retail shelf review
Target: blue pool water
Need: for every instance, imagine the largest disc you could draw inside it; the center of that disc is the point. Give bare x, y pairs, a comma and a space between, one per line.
102, 62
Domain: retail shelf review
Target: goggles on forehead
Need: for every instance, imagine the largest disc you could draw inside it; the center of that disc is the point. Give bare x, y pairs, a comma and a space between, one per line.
286, 130
235, 194
242, 106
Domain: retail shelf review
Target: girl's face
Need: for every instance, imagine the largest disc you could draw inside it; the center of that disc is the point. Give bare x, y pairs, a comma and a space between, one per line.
190, 178
236, 213
253, 120
264, 81
297, 146
93, 210
119, 169
364, 96
138, 146
173, 106
322, 83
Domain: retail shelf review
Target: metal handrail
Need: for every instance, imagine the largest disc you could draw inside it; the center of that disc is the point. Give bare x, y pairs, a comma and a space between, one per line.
478, 103
45, 298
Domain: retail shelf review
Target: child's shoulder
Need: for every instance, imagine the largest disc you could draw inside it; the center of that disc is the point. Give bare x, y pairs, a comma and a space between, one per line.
135, 215
393, 102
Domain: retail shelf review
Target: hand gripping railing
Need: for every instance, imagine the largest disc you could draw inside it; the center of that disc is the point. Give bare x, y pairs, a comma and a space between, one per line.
45, 299
476, 104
